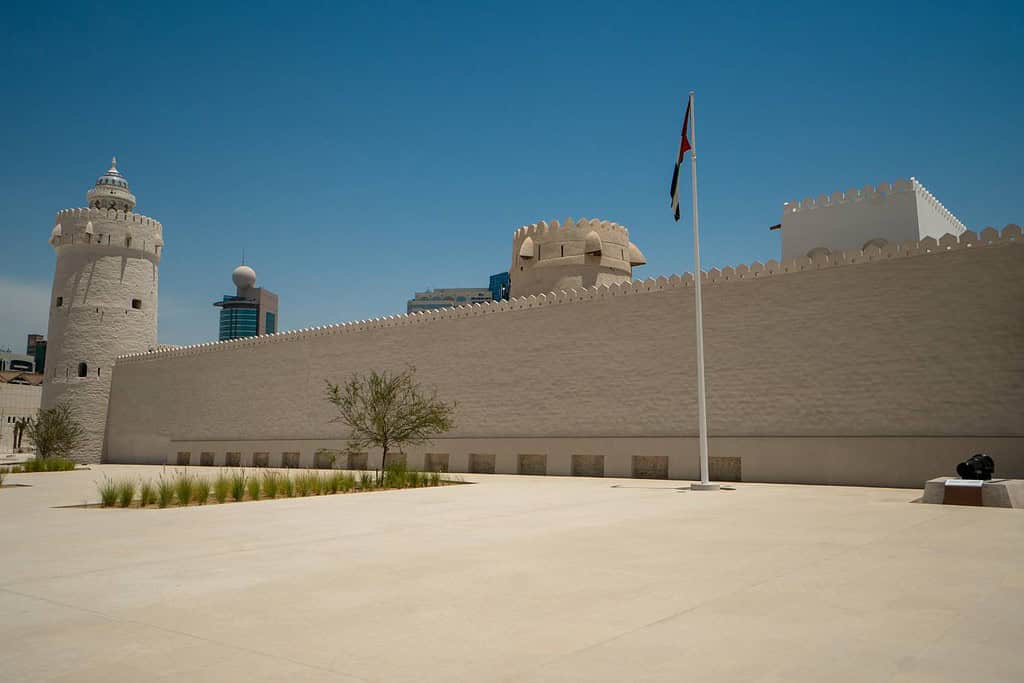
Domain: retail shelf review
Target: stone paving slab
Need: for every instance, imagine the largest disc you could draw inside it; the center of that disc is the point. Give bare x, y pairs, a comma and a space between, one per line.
509, 579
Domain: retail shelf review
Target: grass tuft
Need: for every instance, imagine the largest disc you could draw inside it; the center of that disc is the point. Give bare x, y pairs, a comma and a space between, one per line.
164, 492
288, 485
221, 487
147, 493
271, 483
435, 478
201, 490
3, 474
183, 488
253, 486
125, 492
108, 492
238, 485
396, 476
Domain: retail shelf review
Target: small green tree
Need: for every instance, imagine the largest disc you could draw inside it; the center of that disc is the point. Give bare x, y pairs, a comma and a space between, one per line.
389, 411
55, 431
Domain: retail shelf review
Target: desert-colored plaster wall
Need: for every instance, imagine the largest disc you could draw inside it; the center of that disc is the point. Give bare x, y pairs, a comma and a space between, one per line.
880, 346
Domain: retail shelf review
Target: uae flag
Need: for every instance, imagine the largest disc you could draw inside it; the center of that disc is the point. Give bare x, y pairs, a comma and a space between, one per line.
684, 145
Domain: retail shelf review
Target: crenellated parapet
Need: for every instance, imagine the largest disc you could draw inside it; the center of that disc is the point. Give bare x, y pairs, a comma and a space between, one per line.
141, 235
585, 252
854, 194
968, 240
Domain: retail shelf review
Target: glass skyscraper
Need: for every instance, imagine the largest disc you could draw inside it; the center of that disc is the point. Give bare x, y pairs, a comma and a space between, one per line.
239, 317
250, 312
500, 285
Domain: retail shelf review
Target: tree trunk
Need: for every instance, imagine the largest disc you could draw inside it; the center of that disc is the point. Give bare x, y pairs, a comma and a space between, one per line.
383, 466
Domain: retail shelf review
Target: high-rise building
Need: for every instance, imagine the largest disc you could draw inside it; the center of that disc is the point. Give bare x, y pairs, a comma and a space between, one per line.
40, 356
250, 312
33, 339
103, 303
446, 298
500, 285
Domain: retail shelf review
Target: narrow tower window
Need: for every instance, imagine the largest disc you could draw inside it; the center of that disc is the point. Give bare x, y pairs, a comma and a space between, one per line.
60, 301
136, 304
83, 370
128, 241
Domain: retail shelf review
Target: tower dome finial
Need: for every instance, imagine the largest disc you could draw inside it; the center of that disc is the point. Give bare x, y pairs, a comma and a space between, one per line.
111, 191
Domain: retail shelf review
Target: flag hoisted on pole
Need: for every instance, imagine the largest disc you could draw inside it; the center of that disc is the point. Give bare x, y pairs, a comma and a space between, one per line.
684, 145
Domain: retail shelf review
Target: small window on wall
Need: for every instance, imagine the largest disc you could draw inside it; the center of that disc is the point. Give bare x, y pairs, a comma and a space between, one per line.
137, 304
60, 301
127, 241
83, 370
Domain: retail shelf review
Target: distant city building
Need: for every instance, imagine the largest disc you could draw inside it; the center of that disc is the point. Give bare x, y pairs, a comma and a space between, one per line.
17, 362
251, 312
39, 353
33, 339
447, 298
500, 285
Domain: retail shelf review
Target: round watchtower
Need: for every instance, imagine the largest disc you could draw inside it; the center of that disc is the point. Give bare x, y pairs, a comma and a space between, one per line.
575, 254
104, 301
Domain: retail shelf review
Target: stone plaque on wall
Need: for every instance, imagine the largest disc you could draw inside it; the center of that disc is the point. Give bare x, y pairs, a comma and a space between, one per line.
481, 463
325, 458
533, 464
588, 465
650, 466
724, 469
436, 462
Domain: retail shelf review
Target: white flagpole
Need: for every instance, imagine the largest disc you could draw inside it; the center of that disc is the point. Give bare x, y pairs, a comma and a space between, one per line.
705, 483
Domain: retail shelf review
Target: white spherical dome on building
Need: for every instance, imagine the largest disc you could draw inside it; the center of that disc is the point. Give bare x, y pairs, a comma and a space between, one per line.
243, 277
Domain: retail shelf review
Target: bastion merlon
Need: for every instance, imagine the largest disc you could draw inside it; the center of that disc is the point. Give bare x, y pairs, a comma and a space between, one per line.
875, 215
550, 257
103, 302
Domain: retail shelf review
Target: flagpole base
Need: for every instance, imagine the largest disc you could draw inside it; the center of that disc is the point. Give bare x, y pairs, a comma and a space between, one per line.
705, 487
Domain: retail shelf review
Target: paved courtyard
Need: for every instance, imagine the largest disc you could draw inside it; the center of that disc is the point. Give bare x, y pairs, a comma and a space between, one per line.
510, 579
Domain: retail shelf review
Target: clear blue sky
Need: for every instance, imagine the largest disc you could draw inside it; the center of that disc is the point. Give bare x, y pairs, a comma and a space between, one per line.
362, 151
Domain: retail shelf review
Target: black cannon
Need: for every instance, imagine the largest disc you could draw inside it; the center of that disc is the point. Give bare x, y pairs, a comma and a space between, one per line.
979, 466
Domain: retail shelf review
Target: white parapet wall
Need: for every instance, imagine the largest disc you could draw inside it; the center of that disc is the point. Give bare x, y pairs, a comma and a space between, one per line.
876, 367
887, 213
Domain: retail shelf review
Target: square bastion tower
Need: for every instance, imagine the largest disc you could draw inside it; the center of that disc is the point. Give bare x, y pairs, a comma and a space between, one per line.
103, 303
889, 213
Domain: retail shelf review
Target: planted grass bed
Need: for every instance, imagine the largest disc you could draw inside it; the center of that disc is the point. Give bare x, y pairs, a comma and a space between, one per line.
182, 488
51, 464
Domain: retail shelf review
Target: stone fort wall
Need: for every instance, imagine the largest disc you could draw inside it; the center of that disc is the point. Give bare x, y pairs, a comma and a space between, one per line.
878, 367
